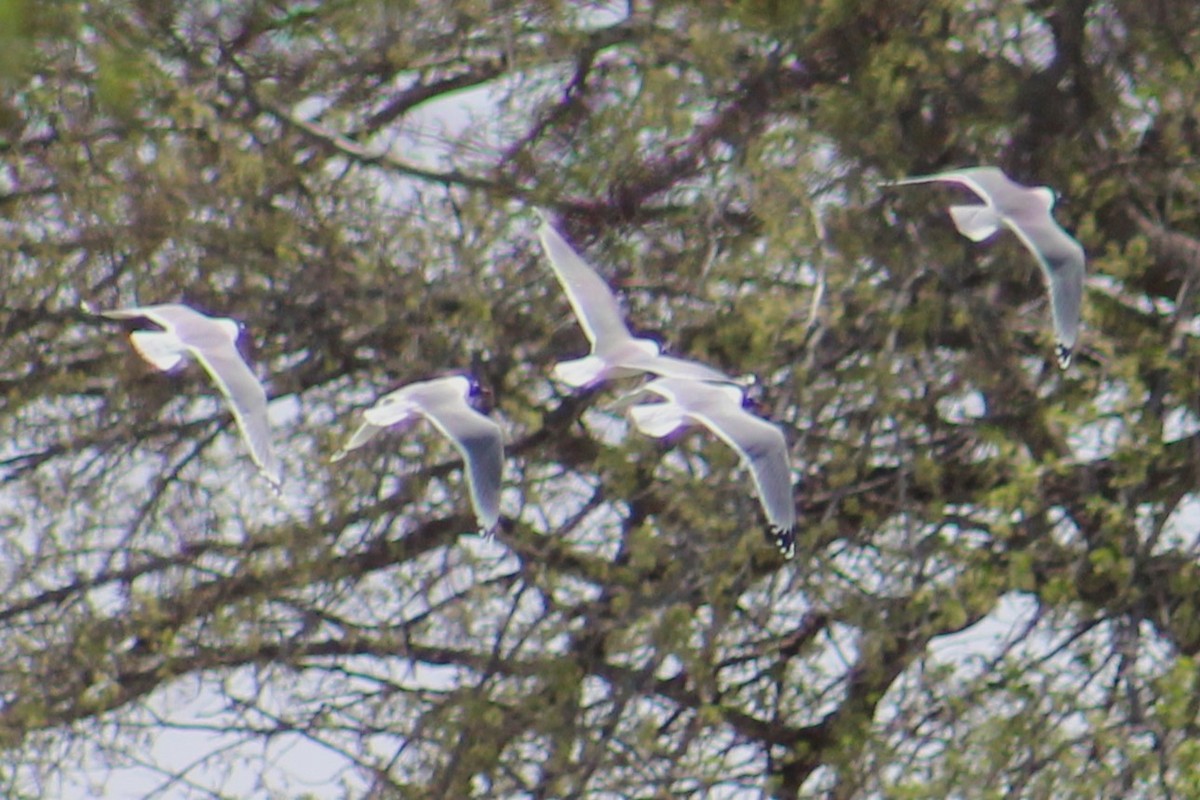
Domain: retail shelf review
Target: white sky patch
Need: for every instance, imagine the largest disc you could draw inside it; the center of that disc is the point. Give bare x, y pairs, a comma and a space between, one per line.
962, 408
972, 649
1180, 423
1181, 529
1101, 438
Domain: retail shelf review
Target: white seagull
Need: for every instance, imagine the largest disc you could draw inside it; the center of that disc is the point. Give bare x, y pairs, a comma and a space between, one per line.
446, 402
720, 408
1025, 210
212, 341
616, 353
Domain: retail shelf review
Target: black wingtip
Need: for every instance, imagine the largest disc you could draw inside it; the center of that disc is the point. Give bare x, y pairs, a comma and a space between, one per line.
1063, 353
784, 539
504, 525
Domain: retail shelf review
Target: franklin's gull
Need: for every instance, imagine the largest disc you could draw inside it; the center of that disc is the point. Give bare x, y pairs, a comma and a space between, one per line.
721, 409
212, 341
616, 353
1026, 211
446, 403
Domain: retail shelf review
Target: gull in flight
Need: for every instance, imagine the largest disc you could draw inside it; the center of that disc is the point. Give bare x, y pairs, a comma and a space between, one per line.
721, 409
212, 341
1025, 210
446, 402
616, 353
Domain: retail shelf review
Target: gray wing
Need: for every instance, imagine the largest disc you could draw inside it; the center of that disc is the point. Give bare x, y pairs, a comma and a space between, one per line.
480, 442
1062, 260
764, 450
394, 409
246, 397
988, 183
171, 316
671, 367
365, 433
589, 296
1014, 200
195, 330
124, 313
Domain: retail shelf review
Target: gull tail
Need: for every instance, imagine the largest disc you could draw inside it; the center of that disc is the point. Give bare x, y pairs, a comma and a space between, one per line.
657, 419
975, 222
784, 539
158, 347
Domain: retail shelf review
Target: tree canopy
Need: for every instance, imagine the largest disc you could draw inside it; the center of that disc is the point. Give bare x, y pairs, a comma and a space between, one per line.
995, 592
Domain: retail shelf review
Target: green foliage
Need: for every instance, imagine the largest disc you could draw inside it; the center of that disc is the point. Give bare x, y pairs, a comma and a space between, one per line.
15, 40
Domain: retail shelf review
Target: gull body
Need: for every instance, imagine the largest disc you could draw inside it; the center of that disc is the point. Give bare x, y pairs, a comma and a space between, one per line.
446, 403
1026, 211
761, 445
212, 341
616, 353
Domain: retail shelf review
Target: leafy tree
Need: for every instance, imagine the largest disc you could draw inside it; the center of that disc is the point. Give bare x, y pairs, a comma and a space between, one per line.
354, 181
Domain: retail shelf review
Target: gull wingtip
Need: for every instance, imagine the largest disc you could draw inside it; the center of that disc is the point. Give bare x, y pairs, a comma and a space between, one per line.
274, 476
784, 540
1063, 353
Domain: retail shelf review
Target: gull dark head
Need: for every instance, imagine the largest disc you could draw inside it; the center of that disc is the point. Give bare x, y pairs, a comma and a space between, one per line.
752, 393
479, 395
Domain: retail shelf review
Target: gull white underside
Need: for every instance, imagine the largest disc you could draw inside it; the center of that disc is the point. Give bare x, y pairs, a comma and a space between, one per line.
975, 222
592, 369
658, 419
162, 349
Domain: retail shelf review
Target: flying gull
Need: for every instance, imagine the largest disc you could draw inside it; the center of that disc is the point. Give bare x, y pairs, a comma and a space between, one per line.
1026, 211
721, 409
446, 402
616, 353
212, 341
